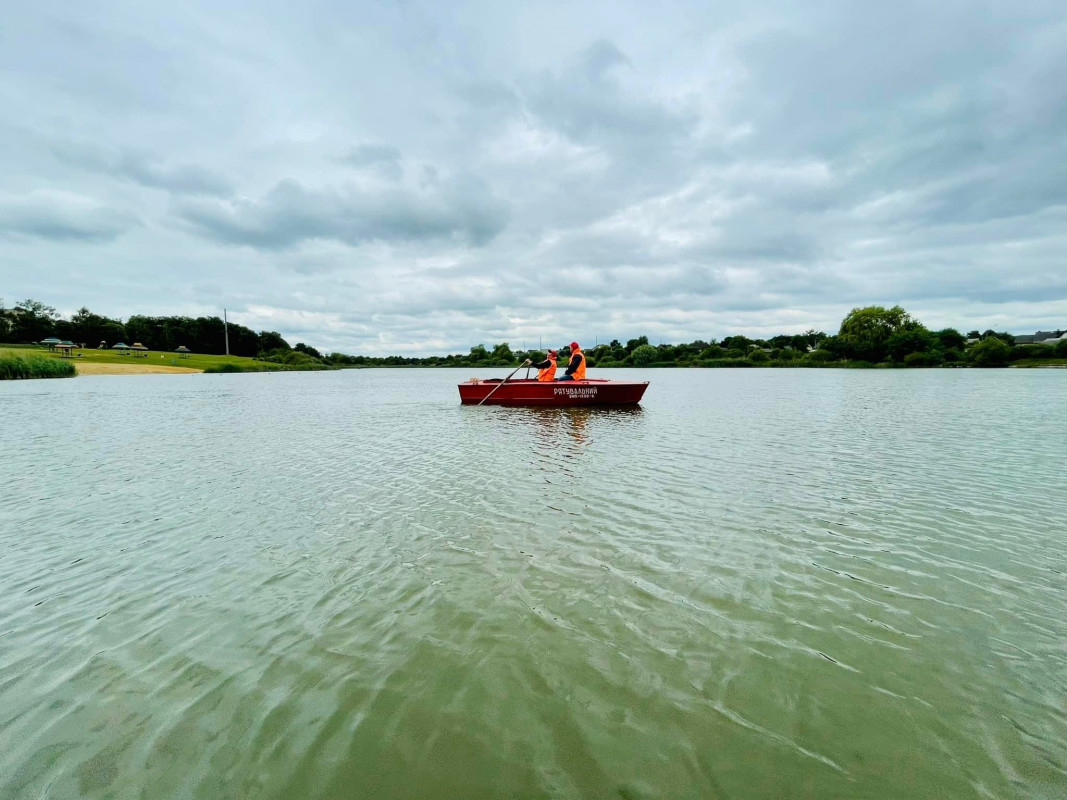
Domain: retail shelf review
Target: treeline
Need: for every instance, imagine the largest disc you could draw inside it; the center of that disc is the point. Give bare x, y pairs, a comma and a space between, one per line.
634, 353
32, 321
870, 336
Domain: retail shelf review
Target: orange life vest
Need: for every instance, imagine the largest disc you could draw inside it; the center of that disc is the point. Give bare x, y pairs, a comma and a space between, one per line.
548, 373
579, 374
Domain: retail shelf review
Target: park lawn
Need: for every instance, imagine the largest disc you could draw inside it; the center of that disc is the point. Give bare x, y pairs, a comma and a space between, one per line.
151, 358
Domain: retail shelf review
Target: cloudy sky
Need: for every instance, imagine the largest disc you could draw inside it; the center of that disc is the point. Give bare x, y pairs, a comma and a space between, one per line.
421, 177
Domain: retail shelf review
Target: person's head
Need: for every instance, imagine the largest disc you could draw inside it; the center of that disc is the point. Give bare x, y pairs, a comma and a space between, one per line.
574, 346
553, 354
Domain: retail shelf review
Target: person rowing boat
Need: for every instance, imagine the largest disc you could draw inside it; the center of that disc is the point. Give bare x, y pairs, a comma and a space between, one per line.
547, 368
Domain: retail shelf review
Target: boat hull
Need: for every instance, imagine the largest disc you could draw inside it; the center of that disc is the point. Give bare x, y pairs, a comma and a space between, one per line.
552, 393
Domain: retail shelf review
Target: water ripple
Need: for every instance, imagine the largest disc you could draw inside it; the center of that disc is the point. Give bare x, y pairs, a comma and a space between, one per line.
761, 583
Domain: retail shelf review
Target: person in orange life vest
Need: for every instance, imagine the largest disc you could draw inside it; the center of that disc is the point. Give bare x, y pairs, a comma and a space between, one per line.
576, 367
547, 367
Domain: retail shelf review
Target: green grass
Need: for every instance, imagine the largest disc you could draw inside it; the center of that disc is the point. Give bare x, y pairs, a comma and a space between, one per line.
1040, 362
207, 363
16, 365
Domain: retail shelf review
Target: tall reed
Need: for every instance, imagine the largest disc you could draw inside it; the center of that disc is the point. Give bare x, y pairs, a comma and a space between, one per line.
14, 367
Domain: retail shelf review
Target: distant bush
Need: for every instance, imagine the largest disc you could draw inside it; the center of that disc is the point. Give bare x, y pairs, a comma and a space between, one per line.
756, 356
644, 355
919, 360
820, 356
1021, 351
725, 362
1061, 348
17, 367
229, 366
990, 352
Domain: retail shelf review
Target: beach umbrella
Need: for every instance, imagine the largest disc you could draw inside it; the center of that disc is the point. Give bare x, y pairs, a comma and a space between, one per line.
120, 346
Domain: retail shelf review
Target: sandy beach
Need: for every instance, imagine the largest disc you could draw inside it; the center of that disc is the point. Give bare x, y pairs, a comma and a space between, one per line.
130, 369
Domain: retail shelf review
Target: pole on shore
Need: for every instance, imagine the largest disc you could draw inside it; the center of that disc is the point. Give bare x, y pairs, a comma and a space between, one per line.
226, 330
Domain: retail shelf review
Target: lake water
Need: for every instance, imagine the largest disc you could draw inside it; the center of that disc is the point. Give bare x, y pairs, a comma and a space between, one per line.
760, 584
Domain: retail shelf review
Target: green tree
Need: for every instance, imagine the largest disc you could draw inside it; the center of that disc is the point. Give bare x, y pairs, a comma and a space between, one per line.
865, 332
1032, 351
643, 355
502, 355
33, 321
919, 359
633, 344
272, 340
758, 355
990, 352
820, 356
1007, 338
307, 350
478, 355
912, 340
1061, 348
950, 338
741, 343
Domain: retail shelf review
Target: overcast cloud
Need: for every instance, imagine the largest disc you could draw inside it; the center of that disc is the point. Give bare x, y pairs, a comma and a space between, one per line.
421, 177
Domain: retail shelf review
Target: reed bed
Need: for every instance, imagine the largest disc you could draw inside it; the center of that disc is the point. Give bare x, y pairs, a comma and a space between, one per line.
16, 367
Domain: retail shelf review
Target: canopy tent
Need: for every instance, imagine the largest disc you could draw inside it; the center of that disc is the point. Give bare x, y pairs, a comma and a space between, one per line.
51, 342
125, 348
182, 351
66, 347
140, 348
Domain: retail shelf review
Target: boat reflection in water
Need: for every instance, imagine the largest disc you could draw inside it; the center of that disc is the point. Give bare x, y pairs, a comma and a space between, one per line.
560, 437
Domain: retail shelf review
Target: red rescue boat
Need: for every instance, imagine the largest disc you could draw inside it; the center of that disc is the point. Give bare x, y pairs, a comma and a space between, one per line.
592, 392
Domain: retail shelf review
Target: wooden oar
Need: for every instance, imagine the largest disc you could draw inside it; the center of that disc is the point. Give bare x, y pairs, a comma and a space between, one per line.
500, 384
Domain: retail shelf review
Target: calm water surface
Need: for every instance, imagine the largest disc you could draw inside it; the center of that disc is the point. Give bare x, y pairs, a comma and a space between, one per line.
761, 584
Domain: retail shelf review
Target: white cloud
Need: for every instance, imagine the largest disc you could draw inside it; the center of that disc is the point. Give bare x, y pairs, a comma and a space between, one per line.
384, 179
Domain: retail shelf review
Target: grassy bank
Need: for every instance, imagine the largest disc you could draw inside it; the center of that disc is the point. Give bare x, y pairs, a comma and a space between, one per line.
16, 366
144, 362
253, 365
1036, 363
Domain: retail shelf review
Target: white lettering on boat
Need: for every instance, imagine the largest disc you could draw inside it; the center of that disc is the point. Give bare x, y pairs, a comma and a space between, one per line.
575, 391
